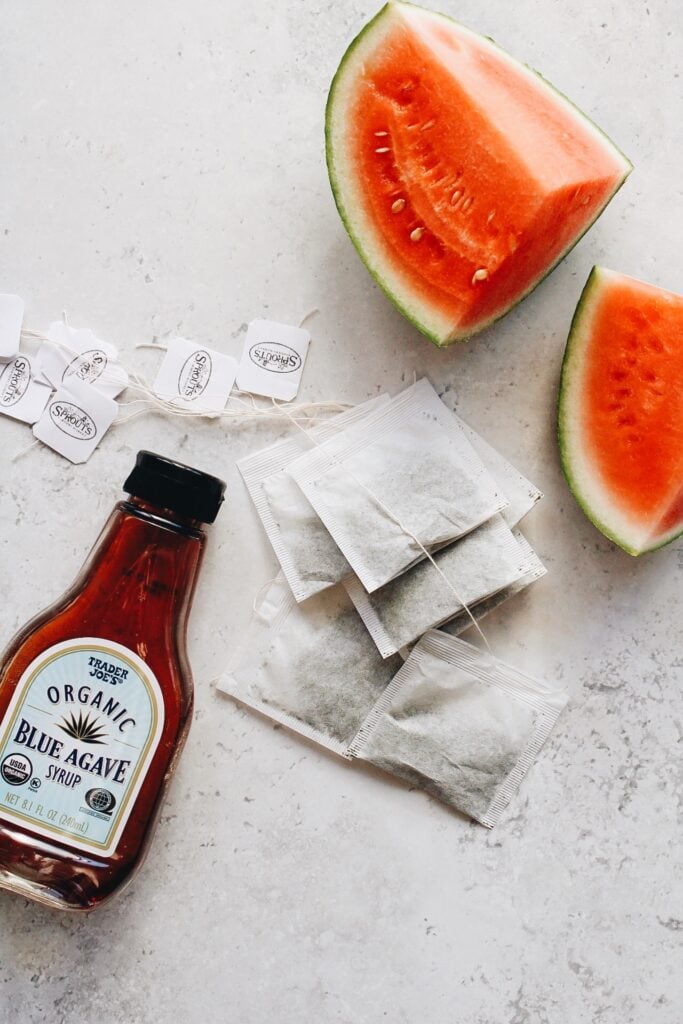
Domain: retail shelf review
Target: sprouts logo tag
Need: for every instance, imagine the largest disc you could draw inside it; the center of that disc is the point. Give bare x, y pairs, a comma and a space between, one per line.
73, 421
195, 375
275, 357
14, 380
88, 366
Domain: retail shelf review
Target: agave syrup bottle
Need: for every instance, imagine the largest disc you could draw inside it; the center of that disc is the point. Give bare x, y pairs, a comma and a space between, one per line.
96, 696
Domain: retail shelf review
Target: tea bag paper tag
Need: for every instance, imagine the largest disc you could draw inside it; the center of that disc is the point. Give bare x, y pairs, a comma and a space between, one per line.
11, 317
76, 353
21, 396
273, 359
75, 420
194, 377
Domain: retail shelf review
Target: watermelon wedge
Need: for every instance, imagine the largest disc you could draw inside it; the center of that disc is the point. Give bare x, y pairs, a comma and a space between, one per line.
621, 410
461, 176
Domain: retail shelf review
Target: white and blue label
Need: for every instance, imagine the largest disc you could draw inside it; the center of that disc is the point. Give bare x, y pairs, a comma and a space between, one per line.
77, 741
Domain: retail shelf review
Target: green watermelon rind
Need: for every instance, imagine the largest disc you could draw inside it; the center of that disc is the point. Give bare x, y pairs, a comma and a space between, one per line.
408, 313
570, 368
336, 191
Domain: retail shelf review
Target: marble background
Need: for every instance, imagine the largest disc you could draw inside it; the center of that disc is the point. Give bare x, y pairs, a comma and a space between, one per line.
162, 172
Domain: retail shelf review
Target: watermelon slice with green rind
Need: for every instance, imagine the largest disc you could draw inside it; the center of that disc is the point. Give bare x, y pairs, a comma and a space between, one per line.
461, 175
621, 410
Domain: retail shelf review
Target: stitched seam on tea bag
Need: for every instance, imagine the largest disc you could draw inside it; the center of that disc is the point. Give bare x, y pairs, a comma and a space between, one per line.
414, 400
409, 533
509, 786
256, 469
229, 684
356, 591
512, 482
263, 508
260, 465
503, 542
495, 673
281, 717
368, 726
475, 665
460, 622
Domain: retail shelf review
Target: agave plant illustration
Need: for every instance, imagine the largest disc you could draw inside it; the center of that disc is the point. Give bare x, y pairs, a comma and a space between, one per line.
83, 728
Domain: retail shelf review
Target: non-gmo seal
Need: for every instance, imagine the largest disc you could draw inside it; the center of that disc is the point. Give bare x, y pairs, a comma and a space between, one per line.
16, 769
100, 800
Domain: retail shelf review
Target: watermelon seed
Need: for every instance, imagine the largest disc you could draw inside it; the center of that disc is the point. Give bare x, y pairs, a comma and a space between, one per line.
456, 196
467, 204
416, 234
398, 205
381, 135
382, 149
480, 275
427, 125
490, 216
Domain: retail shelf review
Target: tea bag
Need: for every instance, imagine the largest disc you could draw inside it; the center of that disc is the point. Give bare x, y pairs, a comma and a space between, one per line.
310, 559
408, 481
313, 667
469, 570
462, 621
460, 724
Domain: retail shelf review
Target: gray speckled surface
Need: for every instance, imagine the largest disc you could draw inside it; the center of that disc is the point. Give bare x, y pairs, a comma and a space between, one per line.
162, 172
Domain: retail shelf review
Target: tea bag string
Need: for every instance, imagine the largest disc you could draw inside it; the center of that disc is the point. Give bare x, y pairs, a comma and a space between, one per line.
404, 529
244, 405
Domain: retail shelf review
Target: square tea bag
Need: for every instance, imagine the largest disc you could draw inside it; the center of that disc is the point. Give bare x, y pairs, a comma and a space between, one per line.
312, 667
460, 724
469, 570
310, 559
407, 480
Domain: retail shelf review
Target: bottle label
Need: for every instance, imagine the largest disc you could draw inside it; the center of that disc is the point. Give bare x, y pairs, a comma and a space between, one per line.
77, 741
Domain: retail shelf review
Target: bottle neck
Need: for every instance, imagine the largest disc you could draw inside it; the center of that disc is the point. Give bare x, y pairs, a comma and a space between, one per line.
165, 518
143, 569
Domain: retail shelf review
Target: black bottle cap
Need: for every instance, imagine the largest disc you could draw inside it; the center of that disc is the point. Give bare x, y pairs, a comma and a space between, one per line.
168, 484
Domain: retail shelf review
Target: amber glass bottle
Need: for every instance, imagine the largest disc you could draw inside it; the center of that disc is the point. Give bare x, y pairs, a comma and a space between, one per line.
96, 696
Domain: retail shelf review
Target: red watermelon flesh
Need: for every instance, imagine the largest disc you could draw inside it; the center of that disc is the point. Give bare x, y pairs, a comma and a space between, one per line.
621, 409
460, 174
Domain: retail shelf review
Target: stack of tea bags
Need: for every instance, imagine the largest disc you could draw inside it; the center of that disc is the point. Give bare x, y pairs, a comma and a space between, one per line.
390, 520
